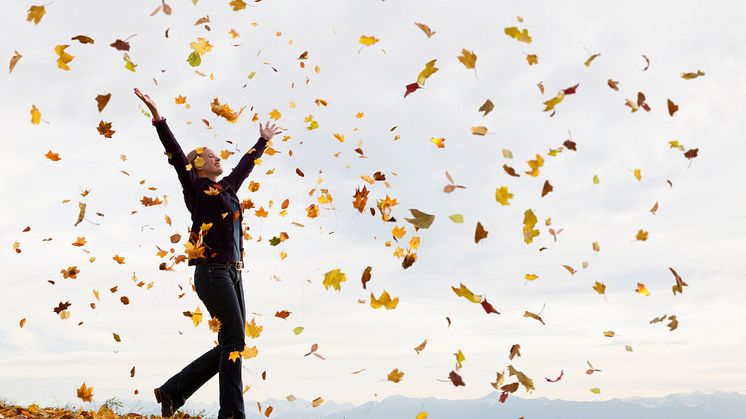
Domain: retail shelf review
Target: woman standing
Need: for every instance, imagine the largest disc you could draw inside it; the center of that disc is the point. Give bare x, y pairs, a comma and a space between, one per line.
215, 248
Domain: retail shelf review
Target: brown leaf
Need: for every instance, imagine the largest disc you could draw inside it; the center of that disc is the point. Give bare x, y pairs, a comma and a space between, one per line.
672, 107
456, 379
480, 233
102, 100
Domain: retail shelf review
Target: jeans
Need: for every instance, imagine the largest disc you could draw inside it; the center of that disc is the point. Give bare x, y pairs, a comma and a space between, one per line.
221, 290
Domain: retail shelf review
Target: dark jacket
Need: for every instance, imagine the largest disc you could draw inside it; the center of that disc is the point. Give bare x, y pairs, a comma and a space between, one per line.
205, 208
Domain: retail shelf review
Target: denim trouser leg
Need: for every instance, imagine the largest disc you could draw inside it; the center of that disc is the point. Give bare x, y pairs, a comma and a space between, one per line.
221, 290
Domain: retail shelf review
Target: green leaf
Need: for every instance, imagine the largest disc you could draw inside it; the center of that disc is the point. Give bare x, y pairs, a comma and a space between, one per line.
298, 330
596, 390
194, 59
457, 218
252, 74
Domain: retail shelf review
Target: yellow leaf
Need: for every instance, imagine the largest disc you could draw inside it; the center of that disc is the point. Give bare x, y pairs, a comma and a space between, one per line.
339, 137
421, 415
249, 352
502, 195
529, 222
35, 115
468, 58
439, 141
368, 40
317, 402
590, 60
551, 103
517, 34
275, 114
641, 235
35, 13
535, 165
333, 279
641, 289
462, 291
609, 333
427, 72
234, 355
197, 317
64, 57
128, 64
201, 46
531, 277
384, 300
596, 390
459, 358
253, 330
532, 59
237, 5
638, 175
395, 375
480, 130
527, 383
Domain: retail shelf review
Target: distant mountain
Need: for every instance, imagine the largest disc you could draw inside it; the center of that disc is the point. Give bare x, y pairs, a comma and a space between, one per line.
697, 405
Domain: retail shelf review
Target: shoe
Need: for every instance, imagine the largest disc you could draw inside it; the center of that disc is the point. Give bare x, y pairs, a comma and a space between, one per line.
167, 405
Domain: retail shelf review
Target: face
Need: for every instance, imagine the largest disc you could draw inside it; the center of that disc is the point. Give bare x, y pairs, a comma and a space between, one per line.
212, 165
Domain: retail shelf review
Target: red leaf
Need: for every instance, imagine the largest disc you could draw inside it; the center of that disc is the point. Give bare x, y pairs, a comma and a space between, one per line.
571, 90
488, 307
411, 88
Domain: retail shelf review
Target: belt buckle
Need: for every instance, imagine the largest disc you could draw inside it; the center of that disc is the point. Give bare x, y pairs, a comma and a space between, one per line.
238, 265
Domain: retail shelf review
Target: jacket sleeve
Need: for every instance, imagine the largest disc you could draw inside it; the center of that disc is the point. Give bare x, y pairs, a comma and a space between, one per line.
176, 157
245, 165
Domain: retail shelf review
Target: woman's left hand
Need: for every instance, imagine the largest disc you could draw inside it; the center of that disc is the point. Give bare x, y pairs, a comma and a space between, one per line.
268, 131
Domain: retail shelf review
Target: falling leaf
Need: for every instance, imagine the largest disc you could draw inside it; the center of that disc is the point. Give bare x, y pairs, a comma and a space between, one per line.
456, 379
532, 59
641, 289
689, 76
35, 13
641, 235
463, 291
647, 62
638, 175
468, 58
317, 402
234, 356
562, 372
395, 375
456, 218
533, 316
104, 128
421, 219
438, 141
613, 84
529, 222
596, 390
517, 34
368, 40
551, 103
525, 381
428, 71
480, 233
479, 130
52, 156
546, 188
425, 29
383, 301
102, 101
486, 107
600, 288
515, 350
116, 337
13, 60
488, 308
672, 107
333, 279
679, 282
419, 348
63, 57
590, 59
85, 393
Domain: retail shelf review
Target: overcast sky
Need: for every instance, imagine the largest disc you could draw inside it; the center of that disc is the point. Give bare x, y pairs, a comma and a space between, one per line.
698, 228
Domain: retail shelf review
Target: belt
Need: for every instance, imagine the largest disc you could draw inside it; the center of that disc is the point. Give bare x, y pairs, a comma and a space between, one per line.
237, 265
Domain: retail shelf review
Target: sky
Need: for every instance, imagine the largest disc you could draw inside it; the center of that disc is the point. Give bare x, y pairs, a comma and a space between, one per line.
697, 230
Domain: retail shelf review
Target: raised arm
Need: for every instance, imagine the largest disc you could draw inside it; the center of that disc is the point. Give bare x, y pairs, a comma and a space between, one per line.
246, 164
176, 157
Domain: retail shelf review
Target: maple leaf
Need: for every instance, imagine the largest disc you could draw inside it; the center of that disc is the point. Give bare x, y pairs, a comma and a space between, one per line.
104, 128
201, 46
63, 57
234, 356
237, 5
333, 278
214, 324
529, 222
253, 330
502, 195
468, 58
527, 383
395, 375
85, 393
641, 289
52, 156
383, 301
361, 198
35, 13
532, 59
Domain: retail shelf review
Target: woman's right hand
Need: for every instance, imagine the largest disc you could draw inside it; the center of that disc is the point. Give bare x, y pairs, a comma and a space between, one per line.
148, 102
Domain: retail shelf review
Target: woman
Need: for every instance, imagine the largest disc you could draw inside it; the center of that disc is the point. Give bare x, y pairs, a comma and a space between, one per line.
215, 248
